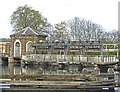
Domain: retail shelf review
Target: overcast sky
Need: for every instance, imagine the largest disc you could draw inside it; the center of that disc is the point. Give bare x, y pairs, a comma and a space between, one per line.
103, 12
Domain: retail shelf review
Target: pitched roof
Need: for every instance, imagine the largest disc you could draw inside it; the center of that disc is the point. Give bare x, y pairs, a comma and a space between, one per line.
29, 31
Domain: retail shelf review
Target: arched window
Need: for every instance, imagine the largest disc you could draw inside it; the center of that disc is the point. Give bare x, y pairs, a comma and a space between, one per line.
29, 46
17, 48
17, 44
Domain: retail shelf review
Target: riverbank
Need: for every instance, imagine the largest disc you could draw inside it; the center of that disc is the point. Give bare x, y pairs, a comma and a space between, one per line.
47, 77
59, 86
81, 79
59, 82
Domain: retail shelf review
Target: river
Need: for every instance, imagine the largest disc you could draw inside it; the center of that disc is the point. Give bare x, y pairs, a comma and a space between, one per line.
59, 90
47, 69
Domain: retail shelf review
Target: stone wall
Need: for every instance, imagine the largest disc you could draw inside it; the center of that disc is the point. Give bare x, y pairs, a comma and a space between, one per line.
23, 39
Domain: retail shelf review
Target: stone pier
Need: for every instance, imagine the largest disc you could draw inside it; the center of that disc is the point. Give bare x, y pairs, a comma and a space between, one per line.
0, 60
10, 60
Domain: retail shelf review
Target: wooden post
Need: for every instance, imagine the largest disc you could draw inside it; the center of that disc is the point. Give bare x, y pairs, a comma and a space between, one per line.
79, 58
101, 47
49, 52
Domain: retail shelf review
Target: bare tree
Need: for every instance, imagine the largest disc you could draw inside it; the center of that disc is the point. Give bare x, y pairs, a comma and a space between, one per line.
81, 29
49, 32
111, 36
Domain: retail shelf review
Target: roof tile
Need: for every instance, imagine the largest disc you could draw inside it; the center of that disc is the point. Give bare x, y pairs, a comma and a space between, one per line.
29, 31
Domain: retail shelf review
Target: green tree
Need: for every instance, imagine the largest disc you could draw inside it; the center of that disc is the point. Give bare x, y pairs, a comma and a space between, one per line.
60, 31
25, 16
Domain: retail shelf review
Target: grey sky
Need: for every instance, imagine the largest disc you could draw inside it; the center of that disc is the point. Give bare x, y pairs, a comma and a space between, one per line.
103, 12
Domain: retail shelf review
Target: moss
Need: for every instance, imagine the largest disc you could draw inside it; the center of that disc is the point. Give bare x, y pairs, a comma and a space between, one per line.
96, 71
110, 70
43, 77
91, 79
85, 71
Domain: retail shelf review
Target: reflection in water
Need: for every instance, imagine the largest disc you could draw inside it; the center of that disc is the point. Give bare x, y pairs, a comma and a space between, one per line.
46, 69
34, 69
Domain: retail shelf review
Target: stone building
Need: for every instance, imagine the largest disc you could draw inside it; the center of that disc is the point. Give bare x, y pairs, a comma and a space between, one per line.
21, 41
5, 47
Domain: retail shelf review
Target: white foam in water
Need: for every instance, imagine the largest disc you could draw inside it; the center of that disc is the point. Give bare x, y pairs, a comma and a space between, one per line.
5, 79
2, 86
105, 88
117, 89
